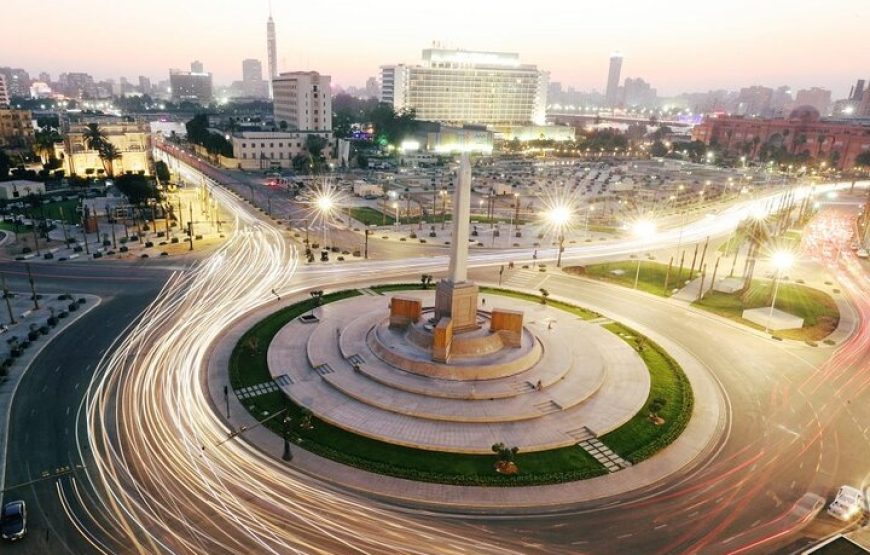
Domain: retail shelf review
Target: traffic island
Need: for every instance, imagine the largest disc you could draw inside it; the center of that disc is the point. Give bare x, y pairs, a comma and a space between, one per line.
369, 415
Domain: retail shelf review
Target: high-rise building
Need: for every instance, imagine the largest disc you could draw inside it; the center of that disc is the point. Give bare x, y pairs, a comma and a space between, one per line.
857, 92
464, 87
190, 86
818, 98
613, 73
78, 85
144, 85
16, 129
196, 67
271, 50
252, 70
45, 77
754, 101
17, 81
303, 99
4, 93
637, 92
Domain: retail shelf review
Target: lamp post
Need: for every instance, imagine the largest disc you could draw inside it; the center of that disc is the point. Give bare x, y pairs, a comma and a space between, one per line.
559, 217
642, 229
782, 260
396, 208
589, 209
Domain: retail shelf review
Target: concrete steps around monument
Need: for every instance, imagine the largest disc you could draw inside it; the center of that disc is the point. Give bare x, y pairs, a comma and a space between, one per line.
549, 431
622, 393
551, 368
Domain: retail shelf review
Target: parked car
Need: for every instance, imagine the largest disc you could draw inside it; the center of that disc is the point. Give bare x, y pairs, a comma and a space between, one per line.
13, 520
862, 253
848, 504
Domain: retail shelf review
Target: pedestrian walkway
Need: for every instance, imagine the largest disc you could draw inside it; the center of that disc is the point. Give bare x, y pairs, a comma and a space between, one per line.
603, 454
708, 423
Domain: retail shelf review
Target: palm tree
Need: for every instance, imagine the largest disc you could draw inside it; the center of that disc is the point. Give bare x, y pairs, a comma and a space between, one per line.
43, 145
757, 233
93, 137
108, 154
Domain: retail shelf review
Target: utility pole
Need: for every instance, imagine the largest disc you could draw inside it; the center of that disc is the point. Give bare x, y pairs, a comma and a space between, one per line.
85, 228
190, 225
32, 288
63, 227
6, 296
366, 251
668, 273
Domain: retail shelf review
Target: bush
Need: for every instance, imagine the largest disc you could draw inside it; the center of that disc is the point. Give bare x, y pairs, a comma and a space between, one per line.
107, 243
144, 255
97, 255
33, 335
44, 330
174, 240
72, 307
52, 321
123, 240
78, 248
82, 300
124, 249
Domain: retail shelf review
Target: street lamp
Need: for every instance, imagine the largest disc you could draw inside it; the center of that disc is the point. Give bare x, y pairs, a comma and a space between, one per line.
589, 209
642, 229
324, 204
396, 207
559, 217
782, 260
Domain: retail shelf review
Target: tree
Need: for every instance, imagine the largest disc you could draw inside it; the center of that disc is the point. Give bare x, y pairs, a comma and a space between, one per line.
161, 170
137, 188
302, 163
108, 154
861, 161
43, 144
544, 295
5, 164
93, 137
316, 296
426, 280
658, 149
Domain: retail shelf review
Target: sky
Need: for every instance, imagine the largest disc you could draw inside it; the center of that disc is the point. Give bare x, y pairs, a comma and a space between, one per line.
676, 45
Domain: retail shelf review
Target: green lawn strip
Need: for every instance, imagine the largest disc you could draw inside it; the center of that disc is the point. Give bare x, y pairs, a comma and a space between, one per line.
248, 365
536, 468
53, 209
326, 440
572, 309
817, 308
369, 216
651, 279
640, 438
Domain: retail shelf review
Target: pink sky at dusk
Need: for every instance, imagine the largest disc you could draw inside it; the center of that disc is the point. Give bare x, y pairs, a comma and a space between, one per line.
676, 45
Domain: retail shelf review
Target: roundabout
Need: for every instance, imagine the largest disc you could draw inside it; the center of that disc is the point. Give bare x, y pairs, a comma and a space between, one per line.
441, 387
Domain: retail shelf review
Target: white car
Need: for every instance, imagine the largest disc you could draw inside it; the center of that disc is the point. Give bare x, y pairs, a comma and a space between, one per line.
862, 253
848, 504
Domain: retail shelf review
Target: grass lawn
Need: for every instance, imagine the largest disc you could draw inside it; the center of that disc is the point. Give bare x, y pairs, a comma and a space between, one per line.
369, 216
816, 307
651, 280
248, 366
640, 438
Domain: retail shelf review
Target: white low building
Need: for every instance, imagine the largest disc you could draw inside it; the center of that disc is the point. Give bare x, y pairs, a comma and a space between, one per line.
260, 150
365, 189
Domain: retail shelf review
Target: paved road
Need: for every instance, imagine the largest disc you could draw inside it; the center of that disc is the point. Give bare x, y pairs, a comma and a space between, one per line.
44, 427
785, 439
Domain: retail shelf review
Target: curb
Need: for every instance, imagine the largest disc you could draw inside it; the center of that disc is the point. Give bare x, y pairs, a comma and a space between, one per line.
489, 500
32, 355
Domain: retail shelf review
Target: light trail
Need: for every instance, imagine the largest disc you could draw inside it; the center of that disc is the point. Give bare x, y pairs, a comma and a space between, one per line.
162, 485
161, 482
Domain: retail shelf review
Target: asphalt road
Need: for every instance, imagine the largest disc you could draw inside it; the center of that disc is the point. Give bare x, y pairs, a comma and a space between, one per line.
44, 427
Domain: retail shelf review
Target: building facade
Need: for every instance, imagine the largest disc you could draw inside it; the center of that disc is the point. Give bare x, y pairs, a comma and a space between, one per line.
303, 99
256, 150
17, 81
190, 86
613, 72
132, 140
464, 87
4, 92
818, 98
271, 50
803, 132
16, 129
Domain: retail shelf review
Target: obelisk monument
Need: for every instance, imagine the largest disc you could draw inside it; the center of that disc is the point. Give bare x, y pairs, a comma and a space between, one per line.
456, 297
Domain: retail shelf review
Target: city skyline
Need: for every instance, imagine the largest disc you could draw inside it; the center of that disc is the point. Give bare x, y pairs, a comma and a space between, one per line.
705, 60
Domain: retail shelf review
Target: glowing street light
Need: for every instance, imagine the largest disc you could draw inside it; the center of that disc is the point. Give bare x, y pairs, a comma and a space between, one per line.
644, 230
559, 216
782, 261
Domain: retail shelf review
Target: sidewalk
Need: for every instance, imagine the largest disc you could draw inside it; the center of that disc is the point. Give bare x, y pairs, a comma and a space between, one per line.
701, 436
9, 384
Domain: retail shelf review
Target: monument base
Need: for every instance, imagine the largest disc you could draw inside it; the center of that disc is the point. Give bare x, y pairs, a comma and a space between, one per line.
457, 301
